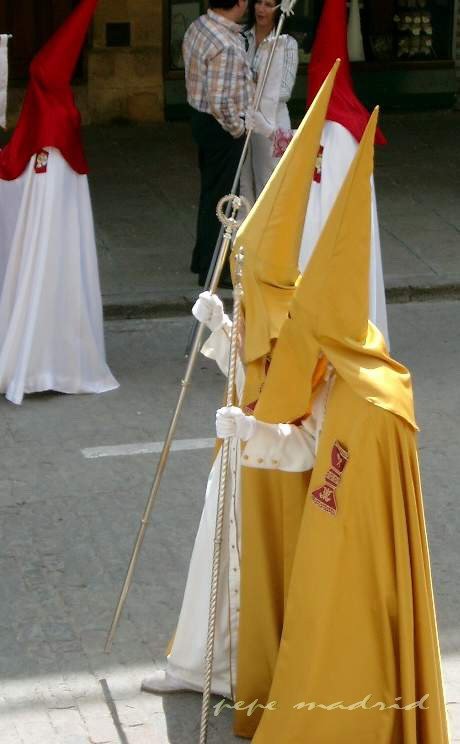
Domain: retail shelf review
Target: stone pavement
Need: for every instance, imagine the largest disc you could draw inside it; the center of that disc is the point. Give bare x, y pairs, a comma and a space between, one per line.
145, 185
67, 526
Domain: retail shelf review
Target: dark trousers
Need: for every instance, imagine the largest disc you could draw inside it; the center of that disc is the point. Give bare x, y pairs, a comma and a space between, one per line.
218, 157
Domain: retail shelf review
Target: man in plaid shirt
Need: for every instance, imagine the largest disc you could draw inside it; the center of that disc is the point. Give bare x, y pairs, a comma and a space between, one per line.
219, 92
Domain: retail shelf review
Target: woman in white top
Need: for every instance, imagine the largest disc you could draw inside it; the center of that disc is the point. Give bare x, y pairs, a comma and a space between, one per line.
262, 21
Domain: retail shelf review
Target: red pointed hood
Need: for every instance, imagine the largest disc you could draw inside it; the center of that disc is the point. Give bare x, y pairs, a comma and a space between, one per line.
49, 116
331, 43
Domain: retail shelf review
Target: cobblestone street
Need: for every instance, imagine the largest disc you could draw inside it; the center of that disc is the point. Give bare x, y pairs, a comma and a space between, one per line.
69, 519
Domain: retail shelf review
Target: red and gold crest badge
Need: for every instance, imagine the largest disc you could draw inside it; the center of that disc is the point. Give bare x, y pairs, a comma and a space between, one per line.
325, 496
41, 161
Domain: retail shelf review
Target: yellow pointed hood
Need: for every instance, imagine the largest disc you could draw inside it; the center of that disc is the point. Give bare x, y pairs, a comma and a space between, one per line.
272, 232
329, 313
271, 236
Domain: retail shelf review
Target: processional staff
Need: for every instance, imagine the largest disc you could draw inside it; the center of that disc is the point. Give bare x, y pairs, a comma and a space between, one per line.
231, 225
218, 262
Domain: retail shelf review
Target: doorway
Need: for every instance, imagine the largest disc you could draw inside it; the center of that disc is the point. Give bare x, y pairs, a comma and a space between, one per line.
31, 22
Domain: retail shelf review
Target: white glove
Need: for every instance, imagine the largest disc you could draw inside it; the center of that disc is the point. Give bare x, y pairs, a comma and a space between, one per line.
256, 121
232, 422
209, 309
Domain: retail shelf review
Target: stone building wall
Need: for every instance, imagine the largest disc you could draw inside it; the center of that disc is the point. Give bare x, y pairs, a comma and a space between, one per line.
126, 82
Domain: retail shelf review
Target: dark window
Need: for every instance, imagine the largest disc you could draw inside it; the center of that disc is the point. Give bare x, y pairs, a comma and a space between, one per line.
407, 30
118, 34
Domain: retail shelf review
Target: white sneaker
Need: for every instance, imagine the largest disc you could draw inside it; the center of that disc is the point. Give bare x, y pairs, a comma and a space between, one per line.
161, 682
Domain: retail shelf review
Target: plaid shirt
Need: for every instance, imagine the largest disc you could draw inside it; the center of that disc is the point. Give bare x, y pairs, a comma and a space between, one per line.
217, 74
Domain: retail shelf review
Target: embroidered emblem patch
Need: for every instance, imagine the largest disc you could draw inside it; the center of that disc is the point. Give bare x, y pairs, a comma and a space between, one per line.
41, 161
325, 496
319, 165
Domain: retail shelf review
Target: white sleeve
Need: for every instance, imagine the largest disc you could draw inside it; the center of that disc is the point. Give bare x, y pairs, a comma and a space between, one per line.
280, 447
290, 65
217, 345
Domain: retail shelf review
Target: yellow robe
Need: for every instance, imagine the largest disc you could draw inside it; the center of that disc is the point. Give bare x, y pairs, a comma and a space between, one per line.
360, 617
272, 507
272, 504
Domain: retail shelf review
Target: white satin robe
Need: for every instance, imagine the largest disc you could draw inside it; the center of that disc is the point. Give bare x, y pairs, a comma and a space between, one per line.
51, 325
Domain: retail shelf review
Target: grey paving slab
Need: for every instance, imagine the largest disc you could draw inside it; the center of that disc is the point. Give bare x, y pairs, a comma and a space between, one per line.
399, 261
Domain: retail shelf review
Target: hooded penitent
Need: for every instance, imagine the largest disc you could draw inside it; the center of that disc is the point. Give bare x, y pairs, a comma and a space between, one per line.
359, 657
346, 121
267, 307
51, 333
271, 501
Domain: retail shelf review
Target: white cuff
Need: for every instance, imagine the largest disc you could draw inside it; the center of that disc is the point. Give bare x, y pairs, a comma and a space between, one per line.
280, 447
217, 346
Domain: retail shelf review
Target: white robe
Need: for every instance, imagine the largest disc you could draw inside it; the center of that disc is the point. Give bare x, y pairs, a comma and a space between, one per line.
340, 148
186, 660
294, 448
51, 326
